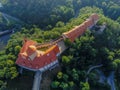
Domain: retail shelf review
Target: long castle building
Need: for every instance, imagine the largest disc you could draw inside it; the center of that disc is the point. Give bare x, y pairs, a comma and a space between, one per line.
34, 58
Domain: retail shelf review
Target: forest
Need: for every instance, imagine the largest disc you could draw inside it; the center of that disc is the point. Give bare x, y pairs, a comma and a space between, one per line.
46, 20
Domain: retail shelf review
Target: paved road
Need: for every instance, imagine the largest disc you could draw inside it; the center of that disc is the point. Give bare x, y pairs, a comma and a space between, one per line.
90, 69
110, 80
7, 17
37, 80
102, 76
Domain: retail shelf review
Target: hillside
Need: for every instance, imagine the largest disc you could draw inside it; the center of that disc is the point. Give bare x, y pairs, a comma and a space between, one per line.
44, 21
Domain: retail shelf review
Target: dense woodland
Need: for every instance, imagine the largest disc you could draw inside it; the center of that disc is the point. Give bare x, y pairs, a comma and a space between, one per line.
47, 20
46, 14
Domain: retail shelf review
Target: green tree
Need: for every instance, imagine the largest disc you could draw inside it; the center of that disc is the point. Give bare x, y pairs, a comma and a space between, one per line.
59, 75
55, 84
64, 86
84, 86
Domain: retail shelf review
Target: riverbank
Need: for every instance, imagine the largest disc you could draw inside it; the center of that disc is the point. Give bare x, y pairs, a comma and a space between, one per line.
2, 33
4, 40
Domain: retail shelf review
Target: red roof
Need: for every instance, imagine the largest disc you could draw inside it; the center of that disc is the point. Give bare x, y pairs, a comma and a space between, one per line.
79, 30
94, 16
38, 61
32, 58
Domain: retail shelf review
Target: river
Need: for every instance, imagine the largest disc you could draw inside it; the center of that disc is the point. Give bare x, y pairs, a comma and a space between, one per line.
3, 40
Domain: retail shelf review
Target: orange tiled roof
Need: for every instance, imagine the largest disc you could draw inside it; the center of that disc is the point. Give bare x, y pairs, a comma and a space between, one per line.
41, 60
79, 30
30, 50
32, 58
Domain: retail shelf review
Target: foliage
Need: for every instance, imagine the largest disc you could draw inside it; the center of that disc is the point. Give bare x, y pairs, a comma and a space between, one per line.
2, 85
56, 17
92, 49
67, 42
85, 86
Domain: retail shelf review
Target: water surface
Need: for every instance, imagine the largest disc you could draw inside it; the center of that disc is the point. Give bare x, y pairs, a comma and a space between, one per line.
3, 40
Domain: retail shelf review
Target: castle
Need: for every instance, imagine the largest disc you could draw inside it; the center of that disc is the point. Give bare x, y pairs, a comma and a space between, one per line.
44, 56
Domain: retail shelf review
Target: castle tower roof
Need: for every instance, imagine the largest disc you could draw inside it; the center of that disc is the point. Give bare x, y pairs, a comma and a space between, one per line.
31, 49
